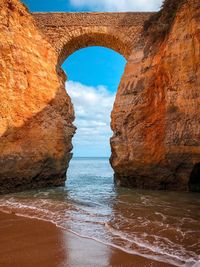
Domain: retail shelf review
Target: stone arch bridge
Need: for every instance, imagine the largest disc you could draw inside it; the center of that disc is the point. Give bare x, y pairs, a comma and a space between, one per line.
144, 144
68, 32
155, 118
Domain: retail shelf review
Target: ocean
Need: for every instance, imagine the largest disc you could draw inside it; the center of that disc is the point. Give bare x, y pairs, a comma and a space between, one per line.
159, 225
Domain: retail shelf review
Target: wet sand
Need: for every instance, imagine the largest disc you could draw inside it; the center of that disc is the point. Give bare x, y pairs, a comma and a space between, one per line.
28, 242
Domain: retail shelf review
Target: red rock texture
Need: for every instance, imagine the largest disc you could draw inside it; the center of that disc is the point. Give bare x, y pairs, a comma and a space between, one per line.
156, 116
36, 113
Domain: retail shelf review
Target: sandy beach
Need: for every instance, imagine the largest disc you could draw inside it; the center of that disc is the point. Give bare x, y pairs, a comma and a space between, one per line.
28, 242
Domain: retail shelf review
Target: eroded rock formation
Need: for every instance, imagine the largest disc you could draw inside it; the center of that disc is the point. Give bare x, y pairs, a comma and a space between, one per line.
36, 114
156, 116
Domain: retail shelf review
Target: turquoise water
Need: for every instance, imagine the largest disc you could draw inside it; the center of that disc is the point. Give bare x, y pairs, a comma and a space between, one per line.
159, 225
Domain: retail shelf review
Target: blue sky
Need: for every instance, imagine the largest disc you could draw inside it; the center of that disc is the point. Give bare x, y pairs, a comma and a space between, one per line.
93, 5
93, 75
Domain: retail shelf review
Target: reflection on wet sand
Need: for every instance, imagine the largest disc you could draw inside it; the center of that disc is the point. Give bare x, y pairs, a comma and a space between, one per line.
29, 242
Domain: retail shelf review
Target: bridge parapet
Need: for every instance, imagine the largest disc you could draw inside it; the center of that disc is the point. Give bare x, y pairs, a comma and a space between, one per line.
69, 32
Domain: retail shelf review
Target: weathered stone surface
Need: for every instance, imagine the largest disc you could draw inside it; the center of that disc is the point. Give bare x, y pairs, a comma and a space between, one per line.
68, 32
36, 114
156, 116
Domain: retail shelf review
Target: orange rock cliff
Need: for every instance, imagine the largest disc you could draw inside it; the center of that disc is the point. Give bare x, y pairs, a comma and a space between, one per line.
36, 113
156, 116
155, 119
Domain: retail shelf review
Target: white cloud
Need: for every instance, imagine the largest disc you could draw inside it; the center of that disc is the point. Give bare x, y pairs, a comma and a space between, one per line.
118, 5
93, 106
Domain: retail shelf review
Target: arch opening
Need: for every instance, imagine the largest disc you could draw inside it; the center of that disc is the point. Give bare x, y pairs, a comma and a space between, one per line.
94, 74
84, 38
194, 181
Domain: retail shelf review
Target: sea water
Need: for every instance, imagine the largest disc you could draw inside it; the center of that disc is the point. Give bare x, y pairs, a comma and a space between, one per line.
159, 225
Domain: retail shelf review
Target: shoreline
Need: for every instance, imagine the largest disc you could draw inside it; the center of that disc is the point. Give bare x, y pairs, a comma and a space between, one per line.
34, 242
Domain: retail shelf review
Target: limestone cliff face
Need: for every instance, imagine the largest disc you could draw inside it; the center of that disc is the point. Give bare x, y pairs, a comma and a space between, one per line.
156, 116
36, 114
